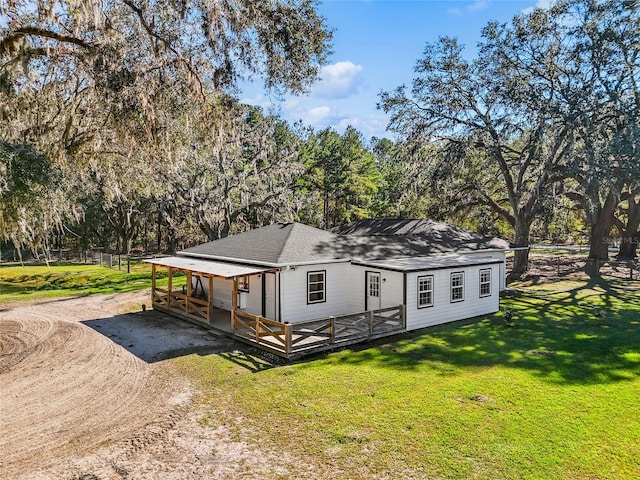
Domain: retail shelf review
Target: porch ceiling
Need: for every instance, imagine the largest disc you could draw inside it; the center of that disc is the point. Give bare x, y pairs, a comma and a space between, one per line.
207, 267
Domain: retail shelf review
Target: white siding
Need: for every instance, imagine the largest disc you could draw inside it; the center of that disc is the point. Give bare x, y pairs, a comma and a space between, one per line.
222, 290
254, 297
497, 255
391, 287
355, 294
443, 310
293, 285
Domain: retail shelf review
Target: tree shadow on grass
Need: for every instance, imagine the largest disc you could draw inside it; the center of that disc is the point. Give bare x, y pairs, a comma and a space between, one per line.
583, 335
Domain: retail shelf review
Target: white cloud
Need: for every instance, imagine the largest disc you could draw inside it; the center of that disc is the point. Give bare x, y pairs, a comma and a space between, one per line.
319, 117
339, 80
473, 7
477, 6
370, 126
259, 100
543, 4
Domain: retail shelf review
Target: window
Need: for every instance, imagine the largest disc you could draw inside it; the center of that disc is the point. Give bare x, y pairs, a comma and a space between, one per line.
315, 287
374, 285
243, 283
425, 291
457, 286
485, 282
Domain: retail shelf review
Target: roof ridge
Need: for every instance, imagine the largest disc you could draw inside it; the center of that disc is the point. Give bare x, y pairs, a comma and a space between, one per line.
297, 229
286, 240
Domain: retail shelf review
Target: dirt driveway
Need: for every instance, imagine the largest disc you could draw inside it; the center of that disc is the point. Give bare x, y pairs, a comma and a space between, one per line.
86, 395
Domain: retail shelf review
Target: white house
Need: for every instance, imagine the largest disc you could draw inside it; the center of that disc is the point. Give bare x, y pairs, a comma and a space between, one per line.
292, 288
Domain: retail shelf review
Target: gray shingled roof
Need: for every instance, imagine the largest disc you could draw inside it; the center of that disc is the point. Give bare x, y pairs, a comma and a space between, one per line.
437, 236
282, 244
276, 244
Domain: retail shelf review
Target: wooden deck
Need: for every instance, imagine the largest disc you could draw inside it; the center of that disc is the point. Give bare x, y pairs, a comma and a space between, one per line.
289, 340
292, 340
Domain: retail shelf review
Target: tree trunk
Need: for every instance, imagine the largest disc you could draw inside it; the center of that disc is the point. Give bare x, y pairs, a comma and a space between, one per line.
629, 231
628, 247
598, 247
601, 225
520, 257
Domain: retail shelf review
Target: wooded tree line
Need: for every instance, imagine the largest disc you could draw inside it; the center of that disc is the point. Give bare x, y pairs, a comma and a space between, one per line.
120, 127
547, 112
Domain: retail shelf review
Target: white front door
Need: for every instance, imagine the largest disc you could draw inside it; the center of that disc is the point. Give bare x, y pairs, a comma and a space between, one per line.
372, 293
269, 295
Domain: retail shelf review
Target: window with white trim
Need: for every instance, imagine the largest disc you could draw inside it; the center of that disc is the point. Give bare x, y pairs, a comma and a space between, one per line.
316, 286
425, 291
457, 286
485, 282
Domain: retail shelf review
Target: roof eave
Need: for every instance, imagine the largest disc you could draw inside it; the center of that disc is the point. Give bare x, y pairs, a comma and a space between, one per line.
204, 256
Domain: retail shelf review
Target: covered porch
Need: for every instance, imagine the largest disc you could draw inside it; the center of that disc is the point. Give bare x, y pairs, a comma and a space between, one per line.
190, 290
190, 295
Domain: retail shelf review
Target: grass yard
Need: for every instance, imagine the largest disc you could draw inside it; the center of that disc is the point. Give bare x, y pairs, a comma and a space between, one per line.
556, 396
33, 282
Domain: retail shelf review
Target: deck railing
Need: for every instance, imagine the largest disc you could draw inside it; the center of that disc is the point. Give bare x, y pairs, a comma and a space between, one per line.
182, 303
294, 338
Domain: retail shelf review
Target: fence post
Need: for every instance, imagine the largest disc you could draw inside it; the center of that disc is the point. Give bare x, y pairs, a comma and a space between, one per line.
370, 322
258, 329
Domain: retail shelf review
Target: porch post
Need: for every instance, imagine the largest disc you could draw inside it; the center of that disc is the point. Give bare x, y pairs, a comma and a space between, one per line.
170, 288
210, 299
234, 302
403, 315
288, 338
153, 283
371, 322
188, 300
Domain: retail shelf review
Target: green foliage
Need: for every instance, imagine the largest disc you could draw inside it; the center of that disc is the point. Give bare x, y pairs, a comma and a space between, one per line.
344, 174
121, 95
555, 396
68, 279
28, 195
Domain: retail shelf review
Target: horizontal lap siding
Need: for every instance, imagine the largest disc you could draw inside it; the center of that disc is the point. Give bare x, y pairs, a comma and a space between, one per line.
293, 284
222, 292
498, 255
391, 288
443, 310
355, 296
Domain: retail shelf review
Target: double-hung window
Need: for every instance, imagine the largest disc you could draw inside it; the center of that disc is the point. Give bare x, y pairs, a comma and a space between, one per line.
425, 291
457, 286
485, 282
316, 286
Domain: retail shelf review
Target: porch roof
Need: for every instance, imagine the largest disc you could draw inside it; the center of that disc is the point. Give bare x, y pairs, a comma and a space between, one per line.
209, 267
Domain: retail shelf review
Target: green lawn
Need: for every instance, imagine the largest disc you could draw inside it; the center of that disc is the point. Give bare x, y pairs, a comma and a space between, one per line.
556, 396
33, 282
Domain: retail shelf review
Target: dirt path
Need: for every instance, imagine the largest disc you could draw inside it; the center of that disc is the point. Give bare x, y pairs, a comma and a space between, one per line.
84, 395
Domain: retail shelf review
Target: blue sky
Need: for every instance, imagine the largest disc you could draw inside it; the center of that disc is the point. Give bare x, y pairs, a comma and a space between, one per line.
376, 44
